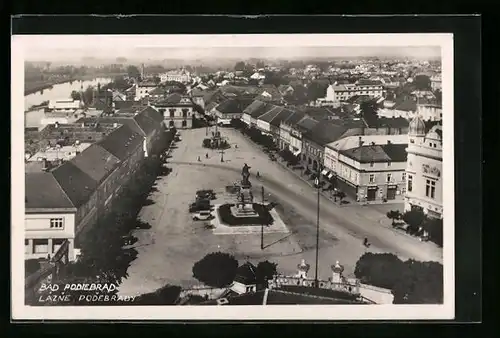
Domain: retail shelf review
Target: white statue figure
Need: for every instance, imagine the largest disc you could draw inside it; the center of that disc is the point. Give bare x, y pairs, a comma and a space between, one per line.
302, 269
337, 271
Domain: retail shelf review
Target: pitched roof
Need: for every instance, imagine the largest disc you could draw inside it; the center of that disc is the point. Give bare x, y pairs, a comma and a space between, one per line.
306, 123
365, 82
326, 132
293, 118
283, 114
377, 153
43, 191
77, 185
270, 114
406, 105
256, 108
232, 106
96, 162
393, 122
125, 104
245, 274
122, 142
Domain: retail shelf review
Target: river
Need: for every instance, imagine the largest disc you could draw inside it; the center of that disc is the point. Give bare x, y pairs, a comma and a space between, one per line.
60, 91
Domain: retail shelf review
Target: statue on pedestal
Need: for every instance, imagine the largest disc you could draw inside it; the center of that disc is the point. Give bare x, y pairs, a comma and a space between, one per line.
337, 271
245, 174
302, 269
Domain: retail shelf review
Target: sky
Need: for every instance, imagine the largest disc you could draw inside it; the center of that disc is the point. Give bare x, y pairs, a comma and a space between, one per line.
67, 47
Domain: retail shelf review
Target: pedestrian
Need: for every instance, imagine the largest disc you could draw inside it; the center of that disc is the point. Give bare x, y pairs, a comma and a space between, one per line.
365, 242
258, 174
236, 146
206, 155
199, 159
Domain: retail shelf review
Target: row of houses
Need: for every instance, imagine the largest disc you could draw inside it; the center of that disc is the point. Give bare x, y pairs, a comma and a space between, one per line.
66, 196
368, 162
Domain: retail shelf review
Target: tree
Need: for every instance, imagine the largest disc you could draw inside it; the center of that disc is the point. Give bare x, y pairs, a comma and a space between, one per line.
394, 215
156, 79
260, 64
120, 83
422, 82
133, 71
239, 66
88, 95
265, 271
166, 295
216, 269
316, 90
381, 270
419, 283
434, 228
76, 95
414, 218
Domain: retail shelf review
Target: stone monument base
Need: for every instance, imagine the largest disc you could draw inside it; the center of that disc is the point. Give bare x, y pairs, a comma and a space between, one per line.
244, 211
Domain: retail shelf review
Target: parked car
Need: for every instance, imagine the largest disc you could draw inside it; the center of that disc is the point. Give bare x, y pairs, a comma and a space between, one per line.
200, 206
206, 194
202, 216
272, 157
128, 240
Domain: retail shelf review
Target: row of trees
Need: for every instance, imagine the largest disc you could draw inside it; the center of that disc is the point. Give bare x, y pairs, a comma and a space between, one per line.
218, 269
256, 136
104, 258
418, 223
411, 282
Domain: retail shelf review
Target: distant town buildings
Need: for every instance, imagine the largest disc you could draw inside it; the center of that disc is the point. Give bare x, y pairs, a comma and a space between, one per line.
424, 167
338, 93
64, 105
177, 111
436, 82
182, 76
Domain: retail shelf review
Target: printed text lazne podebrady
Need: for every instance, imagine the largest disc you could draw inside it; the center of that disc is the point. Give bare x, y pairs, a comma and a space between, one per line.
98, 293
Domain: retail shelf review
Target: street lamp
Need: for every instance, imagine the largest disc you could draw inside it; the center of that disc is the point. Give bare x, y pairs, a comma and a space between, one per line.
262, 225
317, 226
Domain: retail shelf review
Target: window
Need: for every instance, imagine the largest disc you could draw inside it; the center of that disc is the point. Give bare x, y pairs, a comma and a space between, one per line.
371, 164
435, 145
403, 177
27, 246
40, 246
372, 178
172, 112
410, 183
403, 191
184, 112
389, 177
388, 164
184, 123
56, 223
430, 188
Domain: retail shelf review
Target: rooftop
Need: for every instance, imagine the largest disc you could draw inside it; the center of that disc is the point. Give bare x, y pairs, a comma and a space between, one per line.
232, 106
44, 192
377, 153
325, 132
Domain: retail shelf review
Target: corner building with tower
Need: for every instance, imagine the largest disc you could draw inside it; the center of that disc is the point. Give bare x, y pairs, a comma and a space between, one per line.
424, 170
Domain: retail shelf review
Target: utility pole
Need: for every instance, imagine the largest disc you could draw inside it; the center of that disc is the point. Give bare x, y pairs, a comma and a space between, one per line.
262, 225
317, 227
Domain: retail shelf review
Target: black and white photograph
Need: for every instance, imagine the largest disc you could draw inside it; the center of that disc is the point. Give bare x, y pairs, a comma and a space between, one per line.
299, 176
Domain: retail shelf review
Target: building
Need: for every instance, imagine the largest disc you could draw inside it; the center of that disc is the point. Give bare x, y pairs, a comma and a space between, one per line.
297, 132
143, 120
58, 152
63, 202
269, 123
182, 76
372, 172
286, 132
339, 93
436, 83
253, 111
230, 109
314, 141
142, 90
65, 105
424, 168
198, 96
177, 111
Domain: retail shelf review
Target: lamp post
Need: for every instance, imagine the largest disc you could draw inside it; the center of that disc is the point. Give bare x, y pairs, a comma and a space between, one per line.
316, 282
262, 225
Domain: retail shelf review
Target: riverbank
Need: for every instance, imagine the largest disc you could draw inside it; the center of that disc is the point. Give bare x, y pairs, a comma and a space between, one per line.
34, 87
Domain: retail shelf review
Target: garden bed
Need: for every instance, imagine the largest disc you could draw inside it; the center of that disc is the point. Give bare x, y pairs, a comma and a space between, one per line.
264, 217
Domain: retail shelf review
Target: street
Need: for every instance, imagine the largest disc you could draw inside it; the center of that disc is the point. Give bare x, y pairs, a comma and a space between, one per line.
167, 251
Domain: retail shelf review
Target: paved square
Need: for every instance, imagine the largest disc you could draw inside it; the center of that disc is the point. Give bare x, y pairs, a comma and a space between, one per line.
167, 251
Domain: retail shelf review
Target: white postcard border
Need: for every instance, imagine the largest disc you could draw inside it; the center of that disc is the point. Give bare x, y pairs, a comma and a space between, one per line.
270, 312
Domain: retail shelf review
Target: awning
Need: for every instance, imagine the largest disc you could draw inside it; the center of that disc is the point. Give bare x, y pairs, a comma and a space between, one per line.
296, 153
324, 172
330, 175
